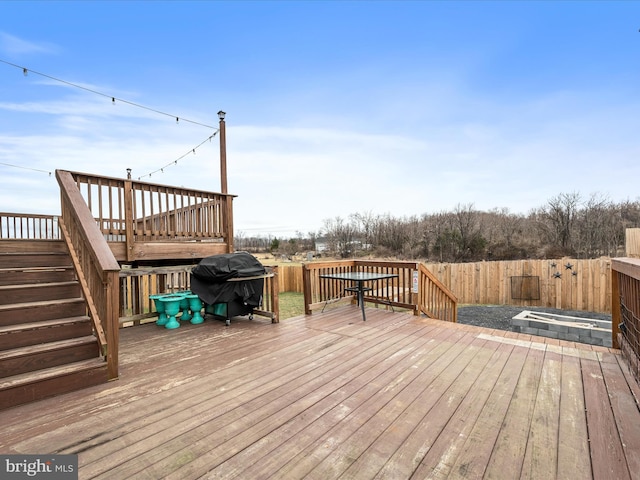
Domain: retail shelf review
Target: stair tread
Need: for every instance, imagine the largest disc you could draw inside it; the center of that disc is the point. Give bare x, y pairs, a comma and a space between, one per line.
40, 303
58, 268
35, 251
38, 285
42, 324
43, 347
39, 375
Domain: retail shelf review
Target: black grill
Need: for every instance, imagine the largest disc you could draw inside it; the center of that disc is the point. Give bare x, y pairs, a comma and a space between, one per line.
230, 284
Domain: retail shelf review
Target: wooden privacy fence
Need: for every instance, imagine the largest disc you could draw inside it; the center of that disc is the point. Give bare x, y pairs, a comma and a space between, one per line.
290, 278
632, 242
567, 284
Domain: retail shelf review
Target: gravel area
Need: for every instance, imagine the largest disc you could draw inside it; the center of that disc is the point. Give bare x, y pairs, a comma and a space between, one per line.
498, 316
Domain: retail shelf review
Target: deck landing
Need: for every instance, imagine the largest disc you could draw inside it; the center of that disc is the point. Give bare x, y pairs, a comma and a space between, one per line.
328, 396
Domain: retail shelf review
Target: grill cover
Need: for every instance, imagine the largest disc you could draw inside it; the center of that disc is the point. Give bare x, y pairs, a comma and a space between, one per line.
209, 279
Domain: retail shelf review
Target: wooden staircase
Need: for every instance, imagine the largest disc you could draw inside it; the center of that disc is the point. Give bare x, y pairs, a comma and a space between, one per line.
47, 344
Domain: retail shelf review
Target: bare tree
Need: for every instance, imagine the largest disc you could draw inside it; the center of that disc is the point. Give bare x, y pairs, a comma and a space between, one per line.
560, 216
341, 236
563, 226
471, 242
367, 224
443, 235
593, 226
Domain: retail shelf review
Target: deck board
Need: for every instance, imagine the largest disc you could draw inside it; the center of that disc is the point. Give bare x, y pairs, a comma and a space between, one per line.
460, 406
607, 454
481, 435
510, 447
330, 396
540, 460
573, 445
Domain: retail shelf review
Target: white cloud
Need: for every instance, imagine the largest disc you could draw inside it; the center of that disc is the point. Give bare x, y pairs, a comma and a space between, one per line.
15, 46
288, 179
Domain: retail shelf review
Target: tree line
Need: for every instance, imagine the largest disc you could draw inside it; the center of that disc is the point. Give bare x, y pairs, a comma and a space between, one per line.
566, 225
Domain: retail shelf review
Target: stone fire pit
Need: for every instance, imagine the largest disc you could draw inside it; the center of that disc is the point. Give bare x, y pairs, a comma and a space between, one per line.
563, 327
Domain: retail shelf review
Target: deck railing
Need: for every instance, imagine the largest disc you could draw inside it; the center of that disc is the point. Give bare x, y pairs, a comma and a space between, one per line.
136, 214
28, 226
96, 267
414, 289
625, 310
137, 284
435, 300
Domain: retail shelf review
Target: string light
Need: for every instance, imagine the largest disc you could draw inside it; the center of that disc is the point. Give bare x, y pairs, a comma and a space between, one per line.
25, 168
113, 102
175, 162
113, 99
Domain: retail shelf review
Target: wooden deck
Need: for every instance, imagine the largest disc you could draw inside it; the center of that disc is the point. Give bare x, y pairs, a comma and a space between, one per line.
328, 396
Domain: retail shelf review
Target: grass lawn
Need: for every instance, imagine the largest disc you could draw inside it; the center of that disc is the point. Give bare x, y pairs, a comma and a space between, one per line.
291, 304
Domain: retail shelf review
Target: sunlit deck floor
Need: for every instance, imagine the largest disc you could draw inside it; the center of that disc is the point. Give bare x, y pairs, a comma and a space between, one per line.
328, 396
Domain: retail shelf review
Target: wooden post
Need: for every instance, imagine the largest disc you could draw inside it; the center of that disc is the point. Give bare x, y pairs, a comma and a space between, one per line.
228, 208
275, 299
128, 220
306, 287
229, 223
112, 320
223, 153
415, 288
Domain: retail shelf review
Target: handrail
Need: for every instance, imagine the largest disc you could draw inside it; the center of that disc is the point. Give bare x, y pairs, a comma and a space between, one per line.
97, 264
625, 310
93, 313
435, 299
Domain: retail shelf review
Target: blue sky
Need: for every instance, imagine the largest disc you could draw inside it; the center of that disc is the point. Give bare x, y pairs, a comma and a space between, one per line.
333, 108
